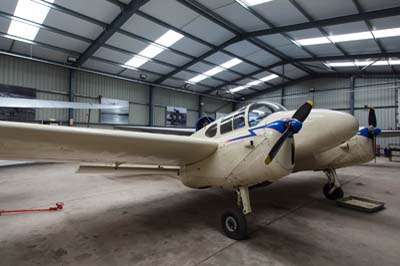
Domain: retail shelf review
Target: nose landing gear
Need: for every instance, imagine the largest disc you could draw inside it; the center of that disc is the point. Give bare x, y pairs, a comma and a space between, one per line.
233, 221
332, 190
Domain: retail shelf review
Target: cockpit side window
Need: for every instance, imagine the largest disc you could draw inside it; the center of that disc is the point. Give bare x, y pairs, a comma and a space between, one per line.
226, 125
239, 121
258, 112
211, 131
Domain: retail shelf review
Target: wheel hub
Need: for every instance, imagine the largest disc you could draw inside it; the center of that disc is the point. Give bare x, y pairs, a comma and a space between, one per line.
231, 224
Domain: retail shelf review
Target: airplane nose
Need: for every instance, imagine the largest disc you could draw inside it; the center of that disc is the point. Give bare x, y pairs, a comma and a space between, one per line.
325, 129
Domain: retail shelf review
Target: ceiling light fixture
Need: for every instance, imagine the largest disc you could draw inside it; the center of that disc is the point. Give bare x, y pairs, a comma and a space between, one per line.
28, 10
254, 83
248, 3
166, 40
356, 36
364, 63
214, 71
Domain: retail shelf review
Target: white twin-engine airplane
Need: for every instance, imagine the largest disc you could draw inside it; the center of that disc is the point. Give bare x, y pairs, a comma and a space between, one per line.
254, 146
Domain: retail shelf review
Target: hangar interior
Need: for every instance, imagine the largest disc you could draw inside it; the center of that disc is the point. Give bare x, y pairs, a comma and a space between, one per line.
209, 58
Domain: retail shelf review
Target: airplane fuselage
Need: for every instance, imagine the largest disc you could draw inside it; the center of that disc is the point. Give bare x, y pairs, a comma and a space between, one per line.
327, 140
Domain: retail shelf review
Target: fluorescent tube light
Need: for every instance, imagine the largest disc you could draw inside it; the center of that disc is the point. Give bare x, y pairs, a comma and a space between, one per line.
137, 61
198, 78
357, 36
386, 33
364, 63
31, 11
269, 77
254, 83
253, 2
313, 41
213, 71
169, 38
231, 63
239, 88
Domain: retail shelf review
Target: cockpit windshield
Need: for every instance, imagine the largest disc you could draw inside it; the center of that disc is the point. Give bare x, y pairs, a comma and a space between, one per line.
259, 111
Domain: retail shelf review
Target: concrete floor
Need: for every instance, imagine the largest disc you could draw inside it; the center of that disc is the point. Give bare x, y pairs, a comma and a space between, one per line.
151, 220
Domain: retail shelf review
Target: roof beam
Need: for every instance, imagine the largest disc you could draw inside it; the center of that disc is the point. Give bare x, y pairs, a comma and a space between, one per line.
311, 19
369, 26
125, 14
311, 59
389, 12
217, 19
198, 8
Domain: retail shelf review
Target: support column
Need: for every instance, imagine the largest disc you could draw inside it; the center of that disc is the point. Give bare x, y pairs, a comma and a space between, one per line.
352, 86
71, 91
151, 105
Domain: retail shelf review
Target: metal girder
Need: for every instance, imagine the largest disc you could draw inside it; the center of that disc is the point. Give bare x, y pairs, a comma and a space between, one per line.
197, 60
45, 27
219, 21
389, 12
186, 34
310, 59
271, 25
311, 19
279, 86
126, 14
48, 46
71, 13
369, 26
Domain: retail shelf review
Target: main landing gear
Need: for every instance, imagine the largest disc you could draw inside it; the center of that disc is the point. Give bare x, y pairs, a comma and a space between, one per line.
332, 190
233, 221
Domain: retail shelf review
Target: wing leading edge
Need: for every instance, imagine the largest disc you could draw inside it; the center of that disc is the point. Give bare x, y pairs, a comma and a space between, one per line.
53, 143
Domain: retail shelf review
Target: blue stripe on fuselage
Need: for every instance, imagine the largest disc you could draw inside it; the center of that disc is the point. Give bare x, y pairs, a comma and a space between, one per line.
277, 125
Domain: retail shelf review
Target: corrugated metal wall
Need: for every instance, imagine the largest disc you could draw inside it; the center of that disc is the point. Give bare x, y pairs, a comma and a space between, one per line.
52, 83
90, 87
335, 93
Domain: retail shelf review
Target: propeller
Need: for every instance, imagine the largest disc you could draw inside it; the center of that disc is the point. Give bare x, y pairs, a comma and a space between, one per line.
372, 129
292, 125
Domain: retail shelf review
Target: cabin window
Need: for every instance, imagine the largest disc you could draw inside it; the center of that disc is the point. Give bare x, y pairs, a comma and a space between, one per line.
239, 121
211, 131
226, 126
258, 112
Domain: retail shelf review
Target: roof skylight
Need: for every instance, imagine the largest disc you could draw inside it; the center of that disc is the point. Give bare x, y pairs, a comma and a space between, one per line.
254, 83
214, 71
166, 40
356, 36
29, 10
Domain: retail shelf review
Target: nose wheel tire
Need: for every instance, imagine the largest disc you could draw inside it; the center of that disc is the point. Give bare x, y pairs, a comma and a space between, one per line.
334, 195
234, 224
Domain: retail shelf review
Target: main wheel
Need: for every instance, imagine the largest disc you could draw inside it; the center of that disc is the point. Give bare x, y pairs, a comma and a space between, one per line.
336, 194
234, 224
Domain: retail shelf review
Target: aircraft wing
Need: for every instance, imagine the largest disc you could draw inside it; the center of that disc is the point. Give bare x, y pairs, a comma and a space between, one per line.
25, 141
388, 133
161, 130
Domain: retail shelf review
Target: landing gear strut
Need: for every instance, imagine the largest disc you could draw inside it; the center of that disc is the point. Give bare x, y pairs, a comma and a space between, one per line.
332, 190
233, 221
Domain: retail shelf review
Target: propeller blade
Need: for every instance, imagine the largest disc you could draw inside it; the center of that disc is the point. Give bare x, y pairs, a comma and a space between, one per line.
302, 113
277, 146
372, 117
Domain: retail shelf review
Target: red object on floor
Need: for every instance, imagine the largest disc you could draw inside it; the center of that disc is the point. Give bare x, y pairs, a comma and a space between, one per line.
59, 206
